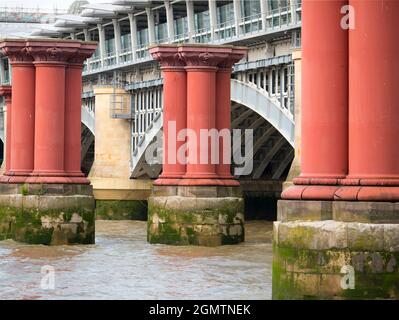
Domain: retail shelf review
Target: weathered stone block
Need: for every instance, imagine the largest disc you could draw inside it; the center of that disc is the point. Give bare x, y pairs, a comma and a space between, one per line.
183, 220
365, 236
292, 210
307, 255
391, 237
317, 235
366, 212
55, 215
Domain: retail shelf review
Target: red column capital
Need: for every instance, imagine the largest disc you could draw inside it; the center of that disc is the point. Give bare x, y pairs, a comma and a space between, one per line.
16, 51
52, 52
84, 52
167, 56
237, 53
200, 56
5, 91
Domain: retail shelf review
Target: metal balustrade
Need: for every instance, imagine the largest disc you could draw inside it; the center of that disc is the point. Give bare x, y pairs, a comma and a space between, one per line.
278, 20
273, 76
147, 105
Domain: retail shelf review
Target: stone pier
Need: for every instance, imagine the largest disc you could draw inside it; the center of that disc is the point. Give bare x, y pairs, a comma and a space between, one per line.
45, 198
196, 202
117, 196
337, 234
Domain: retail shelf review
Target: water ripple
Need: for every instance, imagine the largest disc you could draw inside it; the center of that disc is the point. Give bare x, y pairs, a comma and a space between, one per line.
122, 265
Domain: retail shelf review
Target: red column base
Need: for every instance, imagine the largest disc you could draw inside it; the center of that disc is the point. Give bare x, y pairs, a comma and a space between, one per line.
74, 174
45, 173
342, 193
171, 175
46, 180
348, 181
17, 173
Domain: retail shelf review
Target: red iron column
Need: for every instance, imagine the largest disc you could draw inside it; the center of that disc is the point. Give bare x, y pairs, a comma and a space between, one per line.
223, 109
374, 96
324, 154
201, 109
50, 62
73, 104
21, 121
5, 91
174, 110
373, 104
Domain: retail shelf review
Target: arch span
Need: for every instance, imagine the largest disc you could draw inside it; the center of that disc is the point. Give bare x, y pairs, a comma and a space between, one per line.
256, 102
88, 119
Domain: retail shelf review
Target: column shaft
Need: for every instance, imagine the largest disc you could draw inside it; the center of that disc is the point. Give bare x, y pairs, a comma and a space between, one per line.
133, 35
212, 17
324, 91
101, 43
170, 20
174, 111
86, 34
223, 119
373, 100
117, 38
151, 25
190, 18
237, 15
22, 118
73, 102
264, 12
201, 103
49, 119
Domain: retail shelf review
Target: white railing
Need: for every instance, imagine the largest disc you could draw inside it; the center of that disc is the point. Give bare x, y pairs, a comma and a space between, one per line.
147, 104
276, 20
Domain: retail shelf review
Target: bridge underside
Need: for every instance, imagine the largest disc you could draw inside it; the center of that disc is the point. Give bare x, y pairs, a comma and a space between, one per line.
272, 157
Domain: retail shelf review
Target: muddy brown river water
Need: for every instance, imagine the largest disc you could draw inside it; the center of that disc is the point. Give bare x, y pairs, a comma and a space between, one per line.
122, 265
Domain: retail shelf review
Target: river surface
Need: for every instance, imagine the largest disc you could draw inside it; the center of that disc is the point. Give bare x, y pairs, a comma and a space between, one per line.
122, 265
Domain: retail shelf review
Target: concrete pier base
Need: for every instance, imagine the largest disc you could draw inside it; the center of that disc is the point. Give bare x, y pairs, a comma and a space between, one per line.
336, 250
196, 215
49, 214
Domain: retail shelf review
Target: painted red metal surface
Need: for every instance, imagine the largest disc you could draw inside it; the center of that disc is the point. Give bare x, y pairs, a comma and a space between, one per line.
196, 97
44, 123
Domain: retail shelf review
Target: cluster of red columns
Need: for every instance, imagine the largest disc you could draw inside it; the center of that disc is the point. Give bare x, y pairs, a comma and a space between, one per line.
44, 117
350, 102
196, 96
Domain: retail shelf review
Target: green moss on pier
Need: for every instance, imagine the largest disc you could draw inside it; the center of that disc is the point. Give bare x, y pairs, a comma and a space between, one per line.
121, 210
